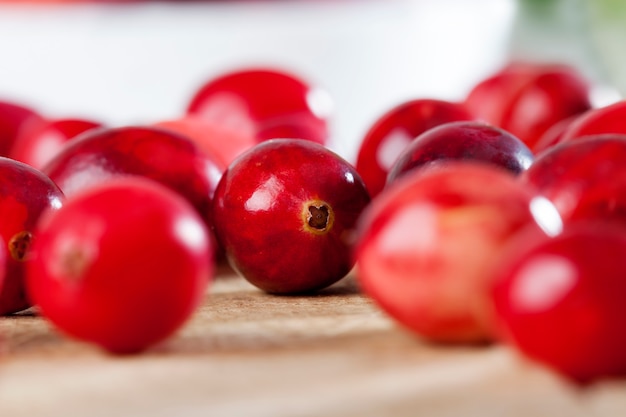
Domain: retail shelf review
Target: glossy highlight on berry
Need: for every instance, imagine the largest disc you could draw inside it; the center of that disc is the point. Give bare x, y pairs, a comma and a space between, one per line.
122, 265
285, 212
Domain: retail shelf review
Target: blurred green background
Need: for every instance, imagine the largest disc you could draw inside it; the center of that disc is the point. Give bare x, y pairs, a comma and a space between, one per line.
590, 34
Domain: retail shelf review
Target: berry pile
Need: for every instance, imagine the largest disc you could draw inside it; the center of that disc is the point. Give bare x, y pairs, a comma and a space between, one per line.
500, 218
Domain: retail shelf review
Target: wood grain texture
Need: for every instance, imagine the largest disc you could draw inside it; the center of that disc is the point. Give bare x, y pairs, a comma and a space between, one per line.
246, 353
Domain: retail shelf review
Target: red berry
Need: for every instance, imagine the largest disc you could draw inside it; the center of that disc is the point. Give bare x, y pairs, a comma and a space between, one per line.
560, 301
158, 154
122, 265
12, 118
528, 98
284, 213
583, 178
222, 145
472, 141
607, 119
394, 130
38, 143
265, 103
427, 244
553, 135
25, 193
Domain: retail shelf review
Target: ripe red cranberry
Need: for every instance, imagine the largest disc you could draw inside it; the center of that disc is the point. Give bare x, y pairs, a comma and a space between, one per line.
284, 213
25, 193
266, 103
223, 145
553, 135
158, 154
39, 142
607, 119
122, 264
475, 141
527, 98
560, 300
394, 130
584, 178
426, 245
12, 118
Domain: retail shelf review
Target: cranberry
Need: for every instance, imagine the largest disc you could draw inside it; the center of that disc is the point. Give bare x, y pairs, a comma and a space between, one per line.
25, 193
122, 264
474, 141
607, 119
584, 178
223, 145
393, 132
527, 98
427, 244
161, 155
560, 300
12, 118
265, 103
284, 213
39, 142
553, 135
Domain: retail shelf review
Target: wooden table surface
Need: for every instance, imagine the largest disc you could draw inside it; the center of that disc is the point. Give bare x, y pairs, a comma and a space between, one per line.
246, 353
